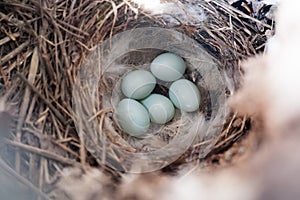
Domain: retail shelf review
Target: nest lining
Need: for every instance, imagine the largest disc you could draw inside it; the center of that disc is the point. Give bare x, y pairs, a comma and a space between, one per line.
185, 127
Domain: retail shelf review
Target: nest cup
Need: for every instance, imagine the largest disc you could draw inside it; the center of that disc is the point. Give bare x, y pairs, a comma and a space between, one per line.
97, 93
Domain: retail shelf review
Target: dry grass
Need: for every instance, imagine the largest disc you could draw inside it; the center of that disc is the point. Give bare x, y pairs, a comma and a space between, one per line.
42, 45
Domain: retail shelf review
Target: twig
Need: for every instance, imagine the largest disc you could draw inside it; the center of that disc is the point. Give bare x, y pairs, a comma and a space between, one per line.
7, 39
43, 153
25, 103
228, 8
51, 107
12, 20
233, 136
9, 67
15, 52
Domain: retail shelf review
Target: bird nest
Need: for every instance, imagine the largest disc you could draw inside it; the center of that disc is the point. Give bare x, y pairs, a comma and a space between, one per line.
61, 100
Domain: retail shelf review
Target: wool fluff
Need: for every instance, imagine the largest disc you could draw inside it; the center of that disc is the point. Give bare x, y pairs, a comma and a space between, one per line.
271, 80
283, 70
173, 12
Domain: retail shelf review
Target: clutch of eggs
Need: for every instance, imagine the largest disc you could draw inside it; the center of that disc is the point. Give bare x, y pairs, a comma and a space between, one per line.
140, 107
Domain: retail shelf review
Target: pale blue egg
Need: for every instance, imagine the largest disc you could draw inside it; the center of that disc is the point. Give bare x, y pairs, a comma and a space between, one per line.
133, 117
185, 95
138, 84
160, 108
168, 67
